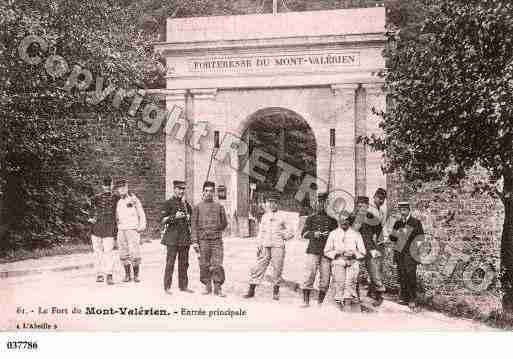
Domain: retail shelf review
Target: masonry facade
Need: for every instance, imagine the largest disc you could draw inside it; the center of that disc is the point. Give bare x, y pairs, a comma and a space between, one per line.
320, 65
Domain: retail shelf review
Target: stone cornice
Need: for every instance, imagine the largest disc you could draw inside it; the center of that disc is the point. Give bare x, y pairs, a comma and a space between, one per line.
373, 88
204, 94
344, 87
168, 48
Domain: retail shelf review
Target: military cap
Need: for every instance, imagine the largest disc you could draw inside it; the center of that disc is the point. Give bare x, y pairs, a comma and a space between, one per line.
403, 204
120, 182
208, 184
179, 184
322, 196
380, 192
362, 199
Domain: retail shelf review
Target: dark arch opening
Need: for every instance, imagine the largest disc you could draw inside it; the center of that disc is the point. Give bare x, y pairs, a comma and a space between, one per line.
286, 136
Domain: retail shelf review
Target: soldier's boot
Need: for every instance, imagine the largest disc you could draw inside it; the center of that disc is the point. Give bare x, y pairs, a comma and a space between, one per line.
306, 298
322, 295
128, 273
413, 306
276, 292
109, 279
379, 299
208, 289
136, 273
218, 291
370, 292
251, 291
340, 305
347, 305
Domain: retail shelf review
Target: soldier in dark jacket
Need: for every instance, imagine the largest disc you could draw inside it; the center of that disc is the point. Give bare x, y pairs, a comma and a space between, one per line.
176, 219
371, 229
104, 230
317, 228
208, 223
404, 233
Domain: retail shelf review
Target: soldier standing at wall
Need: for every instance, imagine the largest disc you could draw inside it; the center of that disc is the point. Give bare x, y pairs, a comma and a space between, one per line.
404, 233
272, 234
104, 231
208, 223
316, 230
131, 220
377, 217
370, 228
176, 219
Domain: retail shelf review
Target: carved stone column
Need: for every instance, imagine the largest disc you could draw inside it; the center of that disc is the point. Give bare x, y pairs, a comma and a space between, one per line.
201, 140
360, 148
375, 100
175, 130
343, 166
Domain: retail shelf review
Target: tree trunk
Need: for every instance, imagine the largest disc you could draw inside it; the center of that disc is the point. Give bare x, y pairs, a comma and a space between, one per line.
507, 245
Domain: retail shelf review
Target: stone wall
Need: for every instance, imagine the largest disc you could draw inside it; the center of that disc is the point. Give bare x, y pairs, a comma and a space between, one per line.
465, 223
136, 156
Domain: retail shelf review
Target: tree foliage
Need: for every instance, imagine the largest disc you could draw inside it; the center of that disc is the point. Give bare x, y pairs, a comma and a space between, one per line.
450, 89
449, 79
42, 137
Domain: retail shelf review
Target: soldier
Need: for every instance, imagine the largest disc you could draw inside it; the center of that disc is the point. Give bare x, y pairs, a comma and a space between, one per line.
345, 248
272, 234
208, 223
317, 228
370, 227
405, 231
176, 219
131, 220
104, 230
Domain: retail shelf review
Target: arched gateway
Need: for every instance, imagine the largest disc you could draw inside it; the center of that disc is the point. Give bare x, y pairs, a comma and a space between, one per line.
279, 89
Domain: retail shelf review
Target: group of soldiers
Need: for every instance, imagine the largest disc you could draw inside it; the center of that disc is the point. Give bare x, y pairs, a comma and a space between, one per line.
117, 214
337, 250
336, 247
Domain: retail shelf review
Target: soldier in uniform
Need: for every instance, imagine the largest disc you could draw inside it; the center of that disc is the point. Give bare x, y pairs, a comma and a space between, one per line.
404, 233
316, 230
176, 219
370, 227
272, 234
208, 223
131, 220
345, 248
104, 231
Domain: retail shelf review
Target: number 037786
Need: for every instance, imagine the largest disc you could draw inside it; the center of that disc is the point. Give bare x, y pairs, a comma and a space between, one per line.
21, 345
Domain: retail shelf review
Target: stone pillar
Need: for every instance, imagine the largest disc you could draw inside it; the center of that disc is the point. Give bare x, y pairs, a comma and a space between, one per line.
175, 166
360, 148
201, 140
344, 157
242, 194
375, 99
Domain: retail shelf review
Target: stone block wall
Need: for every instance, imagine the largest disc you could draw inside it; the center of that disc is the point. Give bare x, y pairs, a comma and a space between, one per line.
136, 156
467, 227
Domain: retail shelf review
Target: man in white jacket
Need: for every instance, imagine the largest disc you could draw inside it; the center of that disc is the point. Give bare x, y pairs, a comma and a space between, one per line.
345, 248
272, 234
131, 220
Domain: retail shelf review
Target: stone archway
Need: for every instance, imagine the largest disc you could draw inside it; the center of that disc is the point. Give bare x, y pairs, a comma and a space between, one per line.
283, 136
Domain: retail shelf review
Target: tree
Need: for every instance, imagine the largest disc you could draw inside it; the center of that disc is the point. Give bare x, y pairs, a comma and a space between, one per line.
42, 136
449, 79
45, 128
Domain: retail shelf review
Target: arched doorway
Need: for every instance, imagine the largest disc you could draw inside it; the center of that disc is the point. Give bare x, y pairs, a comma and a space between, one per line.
285, 136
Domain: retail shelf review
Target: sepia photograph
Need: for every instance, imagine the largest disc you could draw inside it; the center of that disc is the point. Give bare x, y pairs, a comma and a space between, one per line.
255, 165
